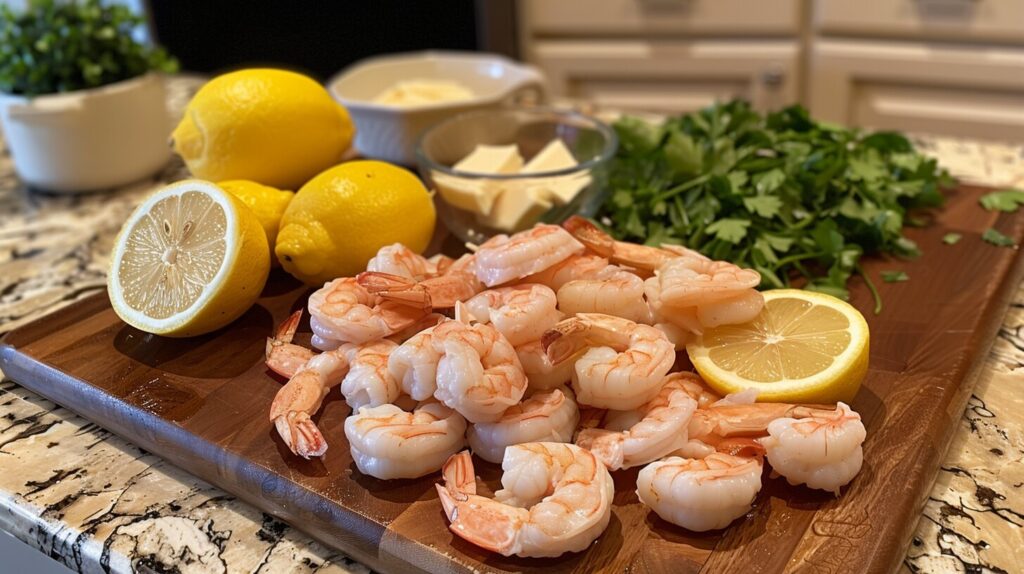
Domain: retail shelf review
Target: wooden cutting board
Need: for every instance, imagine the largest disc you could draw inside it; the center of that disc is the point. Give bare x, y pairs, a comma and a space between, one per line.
202, 404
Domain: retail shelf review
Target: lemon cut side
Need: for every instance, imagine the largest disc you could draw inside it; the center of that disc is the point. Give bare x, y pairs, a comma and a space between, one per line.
804, 347
189, 260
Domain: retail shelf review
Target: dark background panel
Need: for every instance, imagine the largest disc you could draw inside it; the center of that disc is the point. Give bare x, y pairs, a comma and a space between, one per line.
319, 38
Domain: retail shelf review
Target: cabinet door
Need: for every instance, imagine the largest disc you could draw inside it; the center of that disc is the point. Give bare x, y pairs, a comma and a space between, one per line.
670, 76
983, 20
968, 91
638, 17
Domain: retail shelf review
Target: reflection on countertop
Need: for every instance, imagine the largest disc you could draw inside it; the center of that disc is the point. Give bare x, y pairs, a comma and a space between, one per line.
97, 503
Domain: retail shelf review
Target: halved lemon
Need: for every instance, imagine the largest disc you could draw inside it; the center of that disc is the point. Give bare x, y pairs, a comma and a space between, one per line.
189, 260
804, 347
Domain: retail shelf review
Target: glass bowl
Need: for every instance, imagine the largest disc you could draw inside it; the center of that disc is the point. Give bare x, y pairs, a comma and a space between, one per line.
477, 206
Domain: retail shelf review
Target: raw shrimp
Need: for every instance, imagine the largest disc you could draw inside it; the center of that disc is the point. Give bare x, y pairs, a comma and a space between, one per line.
478, 373
388, 442
611, 290
624, 364
687, 285
660, 430
414, 365
632, 254
342, 310
441, 292
368, 382
697, 389
397, 259
589, 284
700, 494
556, 498
574, 267
721, 293
548, 416
726, 418
360, 369
301, 397
502, 258
540, 372
521, 313
282, 356
822, 451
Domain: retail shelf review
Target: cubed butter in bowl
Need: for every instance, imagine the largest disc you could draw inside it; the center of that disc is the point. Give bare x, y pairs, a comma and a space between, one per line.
503, 171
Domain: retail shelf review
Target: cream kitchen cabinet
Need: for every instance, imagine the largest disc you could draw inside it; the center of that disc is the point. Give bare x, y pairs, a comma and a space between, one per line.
670, 76
665, 55
660, 17
962, 90
996, 21
951, 67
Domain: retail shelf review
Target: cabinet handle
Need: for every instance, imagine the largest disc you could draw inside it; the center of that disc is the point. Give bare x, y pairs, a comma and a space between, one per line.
772, 78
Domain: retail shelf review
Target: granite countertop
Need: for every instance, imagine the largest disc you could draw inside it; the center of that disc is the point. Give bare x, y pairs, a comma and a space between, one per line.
96, 503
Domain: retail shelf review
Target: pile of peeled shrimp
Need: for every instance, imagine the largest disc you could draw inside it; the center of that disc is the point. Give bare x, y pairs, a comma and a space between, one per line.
551, 352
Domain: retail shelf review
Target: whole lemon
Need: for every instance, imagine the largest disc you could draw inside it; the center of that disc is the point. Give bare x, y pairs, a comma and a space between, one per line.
340, 218
267, 203
272, 126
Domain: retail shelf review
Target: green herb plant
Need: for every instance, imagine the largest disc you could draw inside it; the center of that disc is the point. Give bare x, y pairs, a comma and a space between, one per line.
799, 200
65, 46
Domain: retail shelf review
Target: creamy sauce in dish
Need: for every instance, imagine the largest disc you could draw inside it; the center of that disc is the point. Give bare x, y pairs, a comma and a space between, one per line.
421, 91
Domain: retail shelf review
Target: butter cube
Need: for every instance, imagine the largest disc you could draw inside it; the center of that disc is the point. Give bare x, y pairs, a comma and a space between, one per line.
469, 194
516, 208
491, 159
562, 190
554, 156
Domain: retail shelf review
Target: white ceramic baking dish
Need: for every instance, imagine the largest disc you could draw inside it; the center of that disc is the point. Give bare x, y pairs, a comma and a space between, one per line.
390, 132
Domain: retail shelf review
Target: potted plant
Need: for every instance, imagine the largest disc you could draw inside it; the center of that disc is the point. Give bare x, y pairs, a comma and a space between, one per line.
81, 106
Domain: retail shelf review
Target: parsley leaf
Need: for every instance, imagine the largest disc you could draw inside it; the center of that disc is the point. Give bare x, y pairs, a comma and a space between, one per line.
729, 229
951, 238
769, 181
763, 205
995, 238
894, 276
1005, 200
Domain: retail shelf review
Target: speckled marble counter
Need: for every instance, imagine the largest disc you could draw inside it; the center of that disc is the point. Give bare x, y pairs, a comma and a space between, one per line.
97, 503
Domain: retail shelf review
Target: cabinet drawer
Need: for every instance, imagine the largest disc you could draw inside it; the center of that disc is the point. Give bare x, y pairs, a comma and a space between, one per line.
967, 91
670, 76
998, 20
637, 17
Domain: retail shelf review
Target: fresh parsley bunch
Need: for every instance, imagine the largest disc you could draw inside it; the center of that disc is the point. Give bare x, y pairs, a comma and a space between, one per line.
793, 198
65, 46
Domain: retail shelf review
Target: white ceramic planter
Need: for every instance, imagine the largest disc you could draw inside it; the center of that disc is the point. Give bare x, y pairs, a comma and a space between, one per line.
89, 139
390, 132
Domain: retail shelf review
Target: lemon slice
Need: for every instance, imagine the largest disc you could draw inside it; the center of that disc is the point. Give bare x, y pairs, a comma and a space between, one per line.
189, 260
804, 347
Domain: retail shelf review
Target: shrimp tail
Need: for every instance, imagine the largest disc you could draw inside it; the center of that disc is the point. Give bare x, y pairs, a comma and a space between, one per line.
479, 520
301, 435
286, 331
396, 288
564, 340
458, 473
590, 235
282, 356
482, 521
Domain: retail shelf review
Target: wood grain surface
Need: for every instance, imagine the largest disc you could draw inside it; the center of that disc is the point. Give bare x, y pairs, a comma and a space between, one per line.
202, 403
